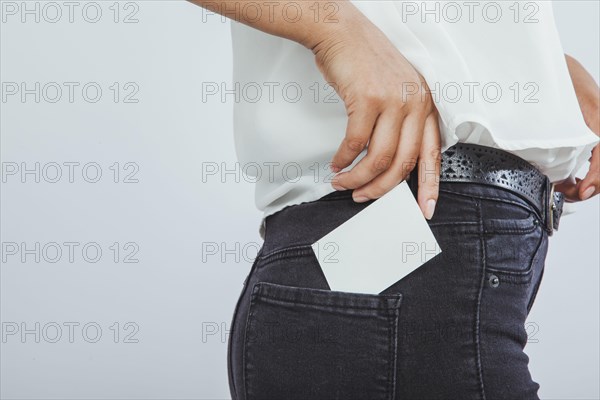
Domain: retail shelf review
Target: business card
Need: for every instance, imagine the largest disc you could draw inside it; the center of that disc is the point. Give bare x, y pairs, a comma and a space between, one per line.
379, 246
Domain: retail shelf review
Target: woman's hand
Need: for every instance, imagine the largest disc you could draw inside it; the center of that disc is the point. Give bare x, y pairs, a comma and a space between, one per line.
389, 109
589, 101
388, 102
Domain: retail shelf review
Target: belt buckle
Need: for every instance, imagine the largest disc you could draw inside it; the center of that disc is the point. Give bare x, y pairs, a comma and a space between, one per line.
551, 207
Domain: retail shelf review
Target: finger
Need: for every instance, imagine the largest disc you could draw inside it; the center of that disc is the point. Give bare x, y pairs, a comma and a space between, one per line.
429, 166
588, 187
574, 188
380, 153
361, 122
569, 188
404, 161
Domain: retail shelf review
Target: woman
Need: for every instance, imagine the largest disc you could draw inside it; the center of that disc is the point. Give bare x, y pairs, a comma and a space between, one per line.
475, 106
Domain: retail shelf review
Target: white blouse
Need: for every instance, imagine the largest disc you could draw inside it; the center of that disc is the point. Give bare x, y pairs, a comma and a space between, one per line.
496, 70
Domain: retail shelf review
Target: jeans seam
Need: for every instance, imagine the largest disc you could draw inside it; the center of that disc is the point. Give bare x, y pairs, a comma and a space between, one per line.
478, 303
391, 367
538, 284
534, 293
245, 346
510, 231
466, 223
394, 343
280, 253
317, 306
528, 206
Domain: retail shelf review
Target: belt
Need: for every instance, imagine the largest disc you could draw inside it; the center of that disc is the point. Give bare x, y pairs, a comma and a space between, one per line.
468, 162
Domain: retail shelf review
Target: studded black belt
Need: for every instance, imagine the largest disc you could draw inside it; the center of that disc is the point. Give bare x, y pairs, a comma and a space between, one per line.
467, 162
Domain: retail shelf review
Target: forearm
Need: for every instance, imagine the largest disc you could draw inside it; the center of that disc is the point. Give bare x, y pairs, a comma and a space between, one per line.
587, 91
306, 22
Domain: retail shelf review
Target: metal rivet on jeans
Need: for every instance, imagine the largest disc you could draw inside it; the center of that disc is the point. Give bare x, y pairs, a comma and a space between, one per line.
494, 281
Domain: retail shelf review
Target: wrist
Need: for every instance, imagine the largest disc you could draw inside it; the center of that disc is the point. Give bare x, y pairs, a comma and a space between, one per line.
347, 21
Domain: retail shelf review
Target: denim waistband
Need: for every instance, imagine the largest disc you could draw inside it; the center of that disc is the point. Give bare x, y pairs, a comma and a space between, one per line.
305, 223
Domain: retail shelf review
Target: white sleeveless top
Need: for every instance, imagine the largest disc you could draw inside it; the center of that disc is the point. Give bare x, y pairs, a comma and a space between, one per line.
496, 70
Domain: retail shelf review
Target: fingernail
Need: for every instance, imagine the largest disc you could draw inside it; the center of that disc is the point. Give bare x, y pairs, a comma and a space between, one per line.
429, 208
588, 192
360, 199
333, 168
337, 186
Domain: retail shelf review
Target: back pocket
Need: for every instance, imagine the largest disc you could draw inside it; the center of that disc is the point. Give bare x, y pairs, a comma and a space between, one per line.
307, 343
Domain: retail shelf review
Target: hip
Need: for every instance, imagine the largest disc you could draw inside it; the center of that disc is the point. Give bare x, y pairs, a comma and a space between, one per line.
447, 330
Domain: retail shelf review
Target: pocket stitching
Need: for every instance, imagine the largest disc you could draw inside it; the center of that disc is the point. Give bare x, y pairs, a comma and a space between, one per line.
244, 362
275, 300
281, 253
392, 314
257, 292
395, 318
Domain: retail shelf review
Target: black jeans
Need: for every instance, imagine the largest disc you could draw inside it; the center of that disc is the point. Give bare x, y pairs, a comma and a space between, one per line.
452, 329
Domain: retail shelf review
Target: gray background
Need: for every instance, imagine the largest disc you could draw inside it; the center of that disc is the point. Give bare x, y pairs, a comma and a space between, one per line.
172, 307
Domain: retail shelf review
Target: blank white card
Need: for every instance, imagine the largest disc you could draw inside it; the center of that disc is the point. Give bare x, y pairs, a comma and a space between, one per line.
377, 247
